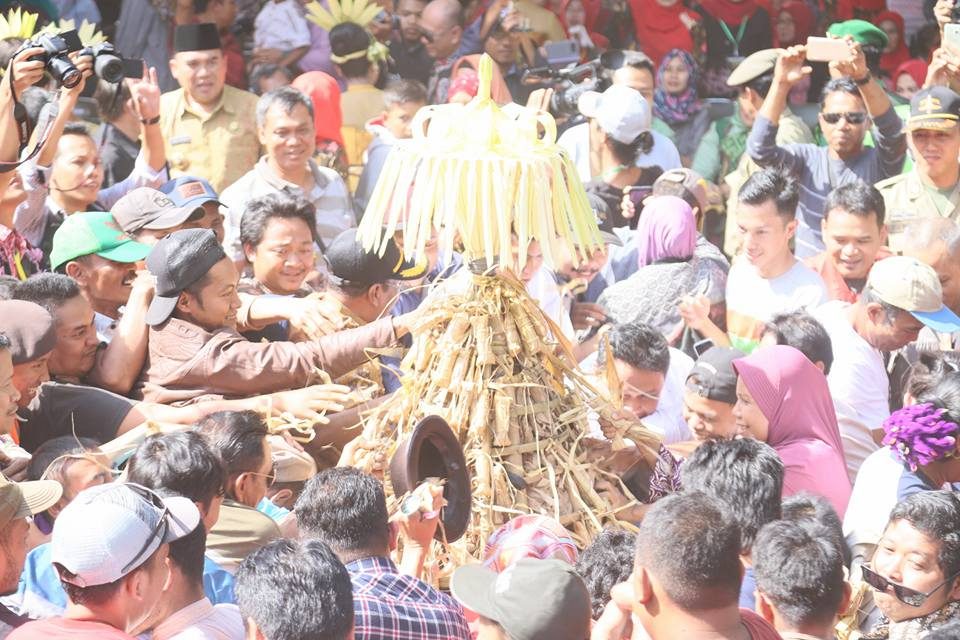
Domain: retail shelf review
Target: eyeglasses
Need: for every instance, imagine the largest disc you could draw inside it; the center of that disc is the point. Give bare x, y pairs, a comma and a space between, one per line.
271, 477
162, 523
853, 117
906, 595
430, 36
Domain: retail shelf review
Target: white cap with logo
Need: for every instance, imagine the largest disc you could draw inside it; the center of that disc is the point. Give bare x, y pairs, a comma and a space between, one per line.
908, 284
109, 530
622, 113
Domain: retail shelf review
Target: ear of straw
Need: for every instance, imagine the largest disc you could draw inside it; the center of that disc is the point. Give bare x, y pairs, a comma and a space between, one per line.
476, 171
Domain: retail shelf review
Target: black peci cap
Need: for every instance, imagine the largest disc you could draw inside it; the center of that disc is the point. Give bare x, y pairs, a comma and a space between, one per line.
178, 261
196, 37
350, 264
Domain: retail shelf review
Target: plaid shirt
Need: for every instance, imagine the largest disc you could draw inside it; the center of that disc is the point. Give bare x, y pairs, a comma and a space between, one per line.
391, 605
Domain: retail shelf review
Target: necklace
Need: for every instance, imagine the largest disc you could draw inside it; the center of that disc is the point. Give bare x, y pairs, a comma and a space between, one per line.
609, 173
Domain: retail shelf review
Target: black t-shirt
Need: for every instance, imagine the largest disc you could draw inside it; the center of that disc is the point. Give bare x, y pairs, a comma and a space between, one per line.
613, 196
65, 409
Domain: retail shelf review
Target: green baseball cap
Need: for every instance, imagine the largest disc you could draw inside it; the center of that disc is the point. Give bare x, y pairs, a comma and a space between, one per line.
861, 31
82, 234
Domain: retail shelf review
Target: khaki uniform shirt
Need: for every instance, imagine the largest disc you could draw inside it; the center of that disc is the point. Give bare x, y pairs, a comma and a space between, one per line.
220, 147
907, 200
792, 130
240, 530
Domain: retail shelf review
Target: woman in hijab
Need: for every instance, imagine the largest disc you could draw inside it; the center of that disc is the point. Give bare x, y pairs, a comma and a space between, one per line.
909, 78
896, 52
662, 25
324, 93
676, 102
794, 24
734, 29
667, 270
783, 400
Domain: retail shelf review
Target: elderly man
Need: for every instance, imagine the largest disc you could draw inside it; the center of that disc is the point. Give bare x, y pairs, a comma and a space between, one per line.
208, 127
847, 108
285, 128
441, 31
932, 187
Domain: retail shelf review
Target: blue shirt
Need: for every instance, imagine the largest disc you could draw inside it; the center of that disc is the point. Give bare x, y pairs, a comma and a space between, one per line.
42, 595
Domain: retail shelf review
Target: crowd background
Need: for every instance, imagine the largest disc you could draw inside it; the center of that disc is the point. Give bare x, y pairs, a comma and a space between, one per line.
190, 331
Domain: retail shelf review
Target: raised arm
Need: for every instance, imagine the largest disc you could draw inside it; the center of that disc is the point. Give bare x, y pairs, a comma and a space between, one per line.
762, 141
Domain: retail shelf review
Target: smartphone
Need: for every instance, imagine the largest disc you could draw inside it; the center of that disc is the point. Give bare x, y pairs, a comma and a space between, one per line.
638, 195
826, 49
700, 346
951, 35
132, 68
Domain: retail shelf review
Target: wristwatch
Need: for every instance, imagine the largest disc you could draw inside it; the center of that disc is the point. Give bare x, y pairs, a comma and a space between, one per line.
153, 120
864, 80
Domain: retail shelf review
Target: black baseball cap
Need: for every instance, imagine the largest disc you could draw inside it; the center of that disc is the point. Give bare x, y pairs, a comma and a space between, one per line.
350, 263
713, 376
934, 108
601, 211
178, 261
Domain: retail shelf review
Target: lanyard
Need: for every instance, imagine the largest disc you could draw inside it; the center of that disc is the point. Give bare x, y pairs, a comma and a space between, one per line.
734, 41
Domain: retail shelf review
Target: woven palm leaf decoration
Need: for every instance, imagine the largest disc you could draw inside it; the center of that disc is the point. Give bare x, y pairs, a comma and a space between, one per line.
474, 171
17, 24
87, 31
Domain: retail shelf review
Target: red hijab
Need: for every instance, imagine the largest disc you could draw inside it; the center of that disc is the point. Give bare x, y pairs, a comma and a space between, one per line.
793, 395
591, 10
324, 92
729, 11
803, 23
660, 29
890, 61
915, 68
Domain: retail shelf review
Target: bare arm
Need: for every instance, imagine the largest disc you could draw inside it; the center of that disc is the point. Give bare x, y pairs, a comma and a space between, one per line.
145, 94
25, 73
119, 364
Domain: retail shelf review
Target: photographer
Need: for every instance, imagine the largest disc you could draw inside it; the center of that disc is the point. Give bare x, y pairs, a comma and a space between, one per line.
67, 174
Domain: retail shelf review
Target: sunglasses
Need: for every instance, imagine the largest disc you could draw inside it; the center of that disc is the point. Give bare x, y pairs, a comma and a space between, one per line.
159, 530
906, 595
853, 117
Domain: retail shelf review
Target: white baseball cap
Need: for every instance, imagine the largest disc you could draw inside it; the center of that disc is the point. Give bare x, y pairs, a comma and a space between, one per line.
109, 530
623, 113
908, 284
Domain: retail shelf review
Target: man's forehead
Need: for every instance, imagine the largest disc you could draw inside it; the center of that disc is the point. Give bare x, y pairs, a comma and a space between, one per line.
190, 56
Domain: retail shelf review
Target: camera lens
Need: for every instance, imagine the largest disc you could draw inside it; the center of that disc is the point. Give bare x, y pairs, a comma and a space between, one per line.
63, 70
109, 67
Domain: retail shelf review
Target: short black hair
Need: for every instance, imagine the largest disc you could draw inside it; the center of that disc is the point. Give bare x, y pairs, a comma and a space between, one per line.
744, 474
34, 99
237, 437
8, 285
111, 99
606, 562
347, 38
929, 370
181, 462
346, 509
692, 546
949, 631
945, 394
856, 198
799, 569
807, 507
49, 290
936, 514
187, 553
761, 84
639, 345
772, 185
53, 449
76, 129
803, 332
628, 152
280, 585
265, 70
839, 85
404, 91
261, 210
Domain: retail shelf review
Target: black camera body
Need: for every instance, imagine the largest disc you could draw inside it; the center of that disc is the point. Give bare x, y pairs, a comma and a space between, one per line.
107, 63
55, 56
572, 81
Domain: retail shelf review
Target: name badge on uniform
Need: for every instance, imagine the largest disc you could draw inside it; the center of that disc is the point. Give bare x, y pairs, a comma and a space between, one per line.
180, 140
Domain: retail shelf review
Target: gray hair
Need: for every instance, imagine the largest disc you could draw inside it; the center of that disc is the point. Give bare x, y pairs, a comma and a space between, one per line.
890, 312
286, 97
923, 233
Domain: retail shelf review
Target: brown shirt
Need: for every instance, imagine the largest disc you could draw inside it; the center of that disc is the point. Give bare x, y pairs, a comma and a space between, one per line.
186, 363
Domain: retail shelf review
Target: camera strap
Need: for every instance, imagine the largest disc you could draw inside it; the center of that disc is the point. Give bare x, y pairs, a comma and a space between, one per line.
24, 130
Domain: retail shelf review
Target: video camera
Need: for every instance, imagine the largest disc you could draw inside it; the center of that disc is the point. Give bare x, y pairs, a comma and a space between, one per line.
571, 81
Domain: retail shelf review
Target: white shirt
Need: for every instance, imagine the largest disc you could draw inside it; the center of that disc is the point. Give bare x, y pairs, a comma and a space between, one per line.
576, 142
202, 621
106, 327
281, 25
667, 420
543, 288
858, 383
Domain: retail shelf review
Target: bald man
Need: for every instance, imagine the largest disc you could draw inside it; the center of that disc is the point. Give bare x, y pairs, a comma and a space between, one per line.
441, 32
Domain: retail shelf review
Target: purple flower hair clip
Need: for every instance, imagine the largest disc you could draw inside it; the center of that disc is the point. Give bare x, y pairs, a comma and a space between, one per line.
919, 434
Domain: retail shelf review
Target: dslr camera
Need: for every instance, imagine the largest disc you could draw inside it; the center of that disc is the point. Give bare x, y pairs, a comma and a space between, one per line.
110, 65
55, 56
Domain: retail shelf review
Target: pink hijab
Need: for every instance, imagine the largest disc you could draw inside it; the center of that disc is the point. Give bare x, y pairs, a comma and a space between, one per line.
793, 395
667, 230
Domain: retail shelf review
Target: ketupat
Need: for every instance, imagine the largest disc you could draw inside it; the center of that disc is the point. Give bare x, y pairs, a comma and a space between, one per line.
489, 361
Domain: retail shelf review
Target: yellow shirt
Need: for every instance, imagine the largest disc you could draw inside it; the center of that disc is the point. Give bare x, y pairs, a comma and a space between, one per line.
360, 103
542, 20
221, 146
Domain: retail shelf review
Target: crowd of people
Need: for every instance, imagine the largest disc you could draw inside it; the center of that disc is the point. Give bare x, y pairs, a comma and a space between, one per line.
776, 294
